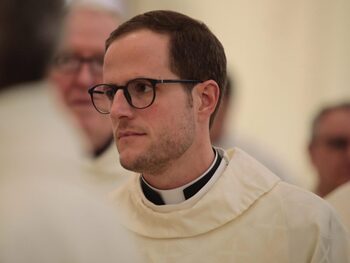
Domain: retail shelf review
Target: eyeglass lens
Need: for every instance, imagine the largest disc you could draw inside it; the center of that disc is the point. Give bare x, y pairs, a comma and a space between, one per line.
139, 93
338, 143
72, 63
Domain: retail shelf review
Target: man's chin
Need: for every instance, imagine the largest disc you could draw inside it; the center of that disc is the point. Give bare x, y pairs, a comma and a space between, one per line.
128, 161
128, 166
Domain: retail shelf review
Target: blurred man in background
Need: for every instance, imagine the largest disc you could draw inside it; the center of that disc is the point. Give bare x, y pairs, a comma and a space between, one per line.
30, 129
329, 150
48, 214
78, 66
329, 147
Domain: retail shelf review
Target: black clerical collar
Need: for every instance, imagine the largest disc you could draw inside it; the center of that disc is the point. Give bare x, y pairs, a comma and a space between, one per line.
180, 194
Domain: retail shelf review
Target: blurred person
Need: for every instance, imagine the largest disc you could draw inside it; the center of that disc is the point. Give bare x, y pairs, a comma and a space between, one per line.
220, 137
48, 213
339, 199
78, 66
31, 132
329, 147
330, 154
47, 219
164, 74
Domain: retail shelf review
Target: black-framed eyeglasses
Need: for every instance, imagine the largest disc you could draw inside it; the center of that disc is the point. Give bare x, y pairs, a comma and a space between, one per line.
139, 93
69, 63
338, 143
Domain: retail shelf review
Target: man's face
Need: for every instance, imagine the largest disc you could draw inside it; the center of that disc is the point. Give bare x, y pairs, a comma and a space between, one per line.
84, 39
149, 140
330, 152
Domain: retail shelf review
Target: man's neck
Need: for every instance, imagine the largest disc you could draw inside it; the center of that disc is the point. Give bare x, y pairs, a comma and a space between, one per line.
182, 193
191, 165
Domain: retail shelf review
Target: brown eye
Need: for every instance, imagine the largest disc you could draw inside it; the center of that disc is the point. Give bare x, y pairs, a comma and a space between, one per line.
140, 87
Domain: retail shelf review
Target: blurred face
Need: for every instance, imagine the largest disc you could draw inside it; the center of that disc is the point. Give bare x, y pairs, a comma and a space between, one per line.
78, 66
330, 152
150, 139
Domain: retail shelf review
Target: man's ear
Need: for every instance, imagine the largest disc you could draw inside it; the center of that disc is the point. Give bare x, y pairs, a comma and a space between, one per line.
207, 93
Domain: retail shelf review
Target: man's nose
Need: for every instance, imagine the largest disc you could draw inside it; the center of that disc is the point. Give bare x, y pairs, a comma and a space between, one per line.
120, 107
84, 76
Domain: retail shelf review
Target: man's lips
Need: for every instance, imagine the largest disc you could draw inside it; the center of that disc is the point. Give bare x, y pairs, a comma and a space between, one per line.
127, 134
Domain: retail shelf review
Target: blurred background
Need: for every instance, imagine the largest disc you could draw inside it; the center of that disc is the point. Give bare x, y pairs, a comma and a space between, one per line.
288, 58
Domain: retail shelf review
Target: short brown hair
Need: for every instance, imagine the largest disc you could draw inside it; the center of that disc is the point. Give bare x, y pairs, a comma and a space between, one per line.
195, 52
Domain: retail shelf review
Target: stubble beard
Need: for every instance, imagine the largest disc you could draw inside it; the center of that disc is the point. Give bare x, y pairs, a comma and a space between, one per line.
170, 146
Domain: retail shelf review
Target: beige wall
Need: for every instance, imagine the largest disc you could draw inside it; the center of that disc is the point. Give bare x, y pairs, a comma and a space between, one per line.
289, 57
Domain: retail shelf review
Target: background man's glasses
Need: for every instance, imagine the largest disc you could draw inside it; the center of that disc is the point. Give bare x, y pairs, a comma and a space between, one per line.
139, 93
336, 143
72, 63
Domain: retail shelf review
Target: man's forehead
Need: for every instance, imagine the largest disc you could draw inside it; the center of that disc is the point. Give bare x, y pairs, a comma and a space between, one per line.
92, 25
140, 53
142, 33
335, 121
86, 34
138, 44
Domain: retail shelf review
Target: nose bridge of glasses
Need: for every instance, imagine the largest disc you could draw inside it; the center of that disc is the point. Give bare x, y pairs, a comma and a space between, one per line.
93, 64
85, 75
337, 143
123, 91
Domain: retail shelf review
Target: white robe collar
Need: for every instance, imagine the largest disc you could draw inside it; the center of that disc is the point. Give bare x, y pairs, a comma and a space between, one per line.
239, 185
182, 193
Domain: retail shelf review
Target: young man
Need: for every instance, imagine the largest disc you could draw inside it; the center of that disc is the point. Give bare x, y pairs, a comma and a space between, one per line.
164, 75
78, 66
